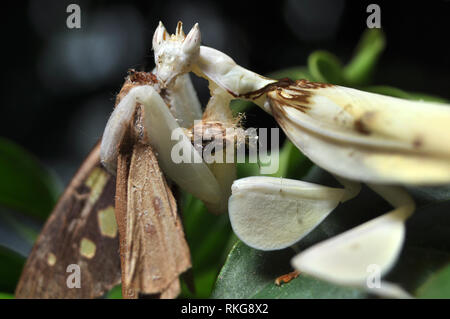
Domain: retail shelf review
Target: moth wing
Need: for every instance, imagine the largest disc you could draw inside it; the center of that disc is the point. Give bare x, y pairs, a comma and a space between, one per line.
81, 231
154, 249
365, 136
269, 213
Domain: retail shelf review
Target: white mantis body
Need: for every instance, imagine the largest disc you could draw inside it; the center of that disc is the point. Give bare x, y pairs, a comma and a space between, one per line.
357, 136
211, 183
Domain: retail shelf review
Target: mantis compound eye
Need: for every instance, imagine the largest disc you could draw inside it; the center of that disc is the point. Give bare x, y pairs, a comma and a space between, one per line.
176, 53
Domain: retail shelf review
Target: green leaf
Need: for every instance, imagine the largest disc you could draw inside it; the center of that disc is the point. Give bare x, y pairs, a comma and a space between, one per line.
294, 73
4, 295
325, 67
424, 195
426, 248
11, 265
18, 231
25, 185
368, 51
437, 286
427, 97
389, 90
427, 244
293, 164
240, 106
115, 293
208, 237
247, 169
395, 92
249, 273
423, 267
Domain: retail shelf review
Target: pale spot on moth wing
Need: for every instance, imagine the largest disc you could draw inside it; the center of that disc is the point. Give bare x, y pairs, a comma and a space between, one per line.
39, 278
107, 222
51, 259
96, 182
87, 248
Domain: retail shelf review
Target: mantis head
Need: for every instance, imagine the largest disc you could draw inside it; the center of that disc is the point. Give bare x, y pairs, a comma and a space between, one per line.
175, 54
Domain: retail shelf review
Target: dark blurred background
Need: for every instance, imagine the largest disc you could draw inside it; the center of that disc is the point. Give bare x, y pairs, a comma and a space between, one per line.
59, 84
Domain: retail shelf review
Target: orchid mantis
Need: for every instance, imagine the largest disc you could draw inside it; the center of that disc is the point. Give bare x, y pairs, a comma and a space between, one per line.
357, 136
137, 142
170, 105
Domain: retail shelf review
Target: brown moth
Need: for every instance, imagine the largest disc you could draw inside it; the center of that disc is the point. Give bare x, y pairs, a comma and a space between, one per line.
153, 249
81, 231
84, 228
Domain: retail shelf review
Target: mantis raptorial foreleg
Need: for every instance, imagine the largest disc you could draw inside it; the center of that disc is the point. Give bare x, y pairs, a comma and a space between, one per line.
171, 108
183, 101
